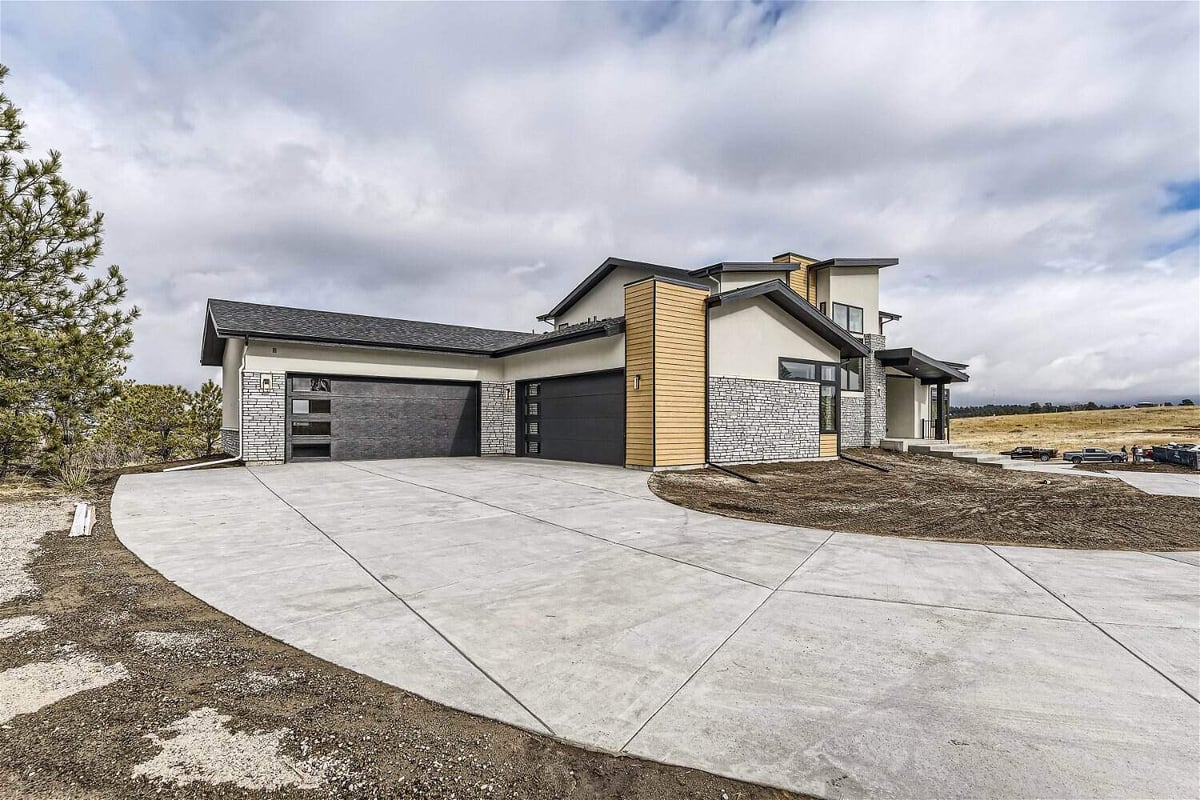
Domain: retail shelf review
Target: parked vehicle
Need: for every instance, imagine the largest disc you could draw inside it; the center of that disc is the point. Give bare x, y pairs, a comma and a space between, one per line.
1038, 453
1093, 454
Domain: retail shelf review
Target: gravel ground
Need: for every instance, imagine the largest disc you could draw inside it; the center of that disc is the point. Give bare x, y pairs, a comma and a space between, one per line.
939, 498
158, 695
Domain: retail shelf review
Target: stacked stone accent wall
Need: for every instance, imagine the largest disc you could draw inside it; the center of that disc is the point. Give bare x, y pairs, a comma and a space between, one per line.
852, 427
498, 419
762, 420
874, 393
263, 418
229, 441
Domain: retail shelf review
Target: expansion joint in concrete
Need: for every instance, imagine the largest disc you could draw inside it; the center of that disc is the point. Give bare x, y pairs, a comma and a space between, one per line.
408, 606
724, 641
1095, 625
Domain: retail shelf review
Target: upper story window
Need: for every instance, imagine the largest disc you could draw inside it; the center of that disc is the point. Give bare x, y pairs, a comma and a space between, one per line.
848, 317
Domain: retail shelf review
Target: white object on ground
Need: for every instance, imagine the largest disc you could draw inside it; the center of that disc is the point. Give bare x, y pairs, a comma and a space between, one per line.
203, 749
16, 626
85, 517
32, 687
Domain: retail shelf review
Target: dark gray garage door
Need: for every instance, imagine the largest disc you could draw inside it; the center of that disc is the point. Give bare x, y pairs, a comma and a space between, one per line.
575, 418
364, 418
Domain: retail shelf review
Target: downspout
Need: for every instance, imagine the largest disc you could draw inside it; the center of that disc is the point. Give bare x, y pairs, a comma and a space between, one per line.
241, 417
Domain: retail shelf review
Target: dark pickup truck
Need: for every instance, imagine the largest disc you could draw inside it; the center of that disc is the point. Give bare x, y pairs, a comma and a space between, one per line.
1039, 453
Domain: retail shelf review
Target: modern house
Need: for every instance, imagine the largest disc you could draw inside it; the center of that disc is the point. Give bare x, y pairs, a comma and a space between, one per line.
645, 366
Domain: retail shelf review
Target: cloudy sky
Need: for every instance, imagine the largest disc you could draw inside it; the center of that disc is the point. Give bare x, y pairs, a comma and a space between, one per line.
1035, 167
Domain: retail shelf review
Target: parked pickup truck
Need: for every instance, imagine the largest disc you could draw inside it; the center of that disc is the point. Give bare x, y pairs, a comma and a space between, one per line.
1039, 453
1093, 454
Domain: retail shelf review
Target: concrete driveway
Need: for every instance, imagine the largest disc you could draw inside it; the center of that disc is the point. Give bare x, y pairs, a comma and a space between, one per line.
567, 599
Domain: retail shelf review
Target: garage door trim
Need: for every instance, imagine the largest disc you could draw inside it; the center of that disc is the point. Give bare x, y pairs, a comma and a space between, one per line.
288, 394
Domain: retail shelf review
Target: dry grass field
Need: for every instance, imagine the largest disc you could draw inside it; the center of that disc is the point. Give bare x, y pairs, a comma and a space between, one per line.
1074, 429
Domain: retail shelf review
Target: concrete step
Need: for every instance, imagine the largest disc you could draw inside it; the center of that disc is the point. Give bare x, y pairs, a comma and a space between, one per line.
987, 459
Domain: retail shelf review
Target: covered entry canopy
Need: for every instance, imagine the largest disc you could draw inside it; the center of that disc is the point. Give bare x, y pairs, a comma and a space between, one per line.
926, 368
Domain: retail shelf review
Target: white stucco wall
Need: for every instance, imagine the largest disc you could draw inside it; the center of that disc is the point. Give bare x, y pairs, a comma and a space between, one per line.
593, 355
852, 286
907, 404
746, 340
857, 286
273, 356
605, 300
738, 280
231, 396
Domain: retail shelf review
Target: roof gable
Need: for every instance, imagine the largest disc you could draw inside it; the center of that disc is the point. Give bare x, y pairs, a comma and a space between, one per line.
786, 298
601, 272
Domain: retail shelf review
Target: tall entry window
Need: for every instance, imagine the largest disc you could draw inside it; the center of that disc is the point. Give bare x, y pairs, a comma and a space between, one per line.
826, 374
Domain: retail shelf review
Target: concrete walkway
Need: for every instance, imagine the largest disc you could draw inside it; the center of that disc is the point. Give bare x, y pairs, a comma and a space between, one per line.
1167, 483
567, 599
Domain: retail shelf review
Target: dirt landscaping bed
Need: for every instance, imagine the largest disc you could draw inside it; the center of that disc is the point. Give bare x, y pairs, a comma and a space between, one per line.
936, 498
114, 683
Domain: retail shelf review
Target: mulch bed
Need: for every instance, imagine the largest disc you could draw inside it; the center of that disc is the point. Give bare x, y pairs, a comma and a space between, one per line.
935, 498
390, 744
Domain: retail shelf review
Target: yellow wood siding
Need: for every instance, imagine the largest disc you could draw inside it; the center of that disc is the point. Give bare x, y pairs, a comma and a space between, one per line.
828, 445
639, 360
798, 277
679, 367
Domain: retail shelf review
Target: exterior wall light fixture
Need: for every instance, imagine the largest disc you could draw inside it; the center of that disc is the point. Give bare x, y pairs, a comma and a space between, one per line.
637, 382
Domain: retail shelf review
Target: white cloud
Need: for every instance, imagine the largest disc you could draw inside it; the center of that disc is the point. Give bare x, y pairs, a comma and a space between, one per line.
470, 162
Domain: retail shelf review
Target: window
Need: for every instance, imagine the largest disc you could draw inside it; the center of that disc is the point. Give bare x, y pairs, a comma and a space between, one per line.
310, 406
318, 384
531, 409
531, 428
848, 317
827, 375
533, 389
792, 370
533, 447
828, 408
309, 383
310, 450
310, 428
852, 375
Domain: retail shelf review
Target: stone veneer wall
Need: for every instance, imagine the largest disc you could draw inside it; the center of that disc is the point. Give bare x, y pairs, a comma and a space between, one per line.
852, 427
263, 418
229, 441
497, 419
762, 420
875, 393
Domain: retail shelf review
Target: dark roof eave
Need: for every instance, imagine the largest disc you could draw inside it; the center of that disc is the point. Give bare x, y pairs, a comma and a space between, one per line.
290, 337
745, 266
787, 299
599, 332
855, 262
908, 358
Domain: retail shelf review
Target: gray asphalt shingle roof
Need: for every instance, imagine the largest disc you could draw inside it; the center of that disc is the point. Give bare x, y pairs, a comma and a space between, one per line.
227, 318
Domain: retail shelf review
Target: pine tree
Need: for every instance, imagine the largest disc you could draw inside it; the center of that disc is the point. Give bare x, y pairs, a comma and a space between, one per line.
206, 417
64, 338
